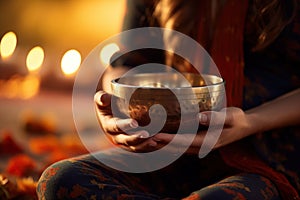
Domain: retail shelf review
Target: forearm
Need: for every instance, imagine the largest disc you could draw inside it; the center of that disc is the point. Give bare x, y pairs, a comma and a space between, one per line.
281, 112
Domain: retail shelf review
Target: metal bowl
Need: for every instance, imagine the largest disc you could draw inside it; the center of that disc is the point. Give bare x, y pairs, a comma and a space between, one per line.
181, 96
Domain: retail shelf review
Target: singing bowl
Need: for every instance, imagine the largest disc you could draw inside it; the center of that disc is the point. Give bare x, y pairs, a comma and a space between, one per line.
181, 96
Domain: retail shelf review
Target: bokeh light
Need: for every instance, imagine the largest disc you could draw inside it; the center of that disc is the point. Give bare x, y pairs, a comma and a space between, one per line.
70, 62
8, 44
35, 58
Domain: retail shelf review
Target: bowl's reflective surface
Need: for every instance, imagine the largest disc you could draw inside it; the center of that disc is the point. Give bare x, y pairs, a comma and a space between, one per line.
181, 95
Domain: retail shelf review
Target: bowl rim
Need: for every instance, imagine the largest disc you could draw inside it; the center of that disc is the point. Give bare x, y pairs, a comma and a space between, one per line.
121, 90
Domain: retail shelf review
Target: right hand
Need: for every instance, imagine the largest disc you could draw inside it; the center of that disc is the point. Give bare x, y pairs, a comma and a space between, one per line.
121, 131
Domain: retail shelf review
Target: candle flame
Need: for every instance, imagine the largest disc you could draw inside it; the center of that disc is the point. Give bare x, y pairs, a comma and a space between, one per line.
35, 58
8, 44
70, 62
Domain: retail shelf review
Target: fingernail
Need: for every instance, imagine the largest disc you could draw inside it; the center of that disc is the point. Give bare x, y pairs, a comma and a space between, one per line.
97, 98
156, 139
143, 134
153, 144
203, 118
133, 124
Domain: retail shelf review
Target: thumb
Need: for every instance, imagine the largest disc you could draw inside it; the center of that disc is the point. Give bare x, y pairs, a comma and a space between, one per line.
102, 98
212, 118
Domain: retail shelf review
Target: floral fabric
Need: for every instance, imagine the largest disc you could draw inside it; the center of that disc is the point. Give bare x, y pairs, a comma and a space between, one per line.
86, 178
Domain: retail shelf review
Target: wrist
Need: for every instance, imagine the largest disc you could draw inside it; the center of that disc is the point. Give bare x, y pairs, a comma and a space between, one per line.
256, 123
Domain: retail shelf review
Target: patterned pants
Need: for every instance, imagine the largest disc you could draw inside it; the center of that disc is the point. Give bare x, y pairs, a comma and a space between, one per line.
188, 177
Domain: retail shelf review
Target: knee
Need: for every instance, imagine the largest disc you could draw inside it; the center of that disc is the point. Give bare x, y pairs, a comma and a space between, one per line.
244, 186
56, 179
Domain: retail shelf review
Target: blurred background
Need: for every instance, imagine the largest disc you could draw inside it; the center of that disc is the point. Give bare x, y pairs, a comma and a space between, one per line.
42, 44
55, 26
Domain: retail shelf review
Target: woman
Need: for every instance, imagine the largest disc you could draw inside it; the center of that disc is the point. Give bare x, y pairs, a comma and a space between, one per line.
256, 154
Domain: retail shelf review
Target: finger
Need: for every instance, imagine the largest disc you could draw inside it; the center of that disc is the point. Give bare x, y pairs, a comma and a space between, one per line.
213, 118
117, 125
163, 137
184, 143
181, 140
130, 140
147, 145
102, 98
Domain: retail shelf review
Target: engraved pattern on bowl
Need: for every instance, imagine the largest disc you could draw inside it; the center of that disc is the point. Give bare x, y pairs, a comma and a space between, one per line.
192, 91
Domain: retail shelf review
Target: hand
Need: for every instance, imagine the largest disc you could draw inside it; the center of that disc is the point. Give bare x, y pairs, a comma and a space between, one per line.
115, 127
233, 124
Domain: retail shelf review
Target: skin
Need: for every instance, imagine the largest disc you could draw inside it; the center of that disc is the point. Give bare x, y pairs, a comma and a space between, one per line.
278, 113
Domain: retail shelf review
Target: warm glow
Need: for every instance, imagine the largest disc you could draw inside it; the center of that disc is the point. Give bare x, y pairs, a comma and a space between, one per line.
107, 52
20, 86
35, 58
70, 62
8, 44
30, 87
9, 88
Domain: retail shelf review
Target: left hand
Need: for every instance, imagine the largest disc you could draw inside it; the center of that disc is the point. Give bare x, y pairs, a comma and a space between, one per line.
233, 123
